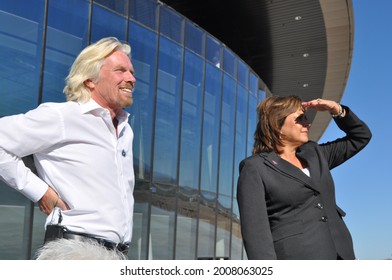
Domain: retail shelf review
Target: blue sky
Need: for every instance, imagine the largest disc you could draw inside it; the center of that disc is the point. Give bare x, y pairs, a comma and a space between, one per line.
364, 183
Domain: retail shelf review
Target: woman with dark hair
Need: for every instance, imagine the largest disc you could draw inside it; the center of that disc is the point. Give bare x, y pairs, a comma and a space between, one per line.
285, 191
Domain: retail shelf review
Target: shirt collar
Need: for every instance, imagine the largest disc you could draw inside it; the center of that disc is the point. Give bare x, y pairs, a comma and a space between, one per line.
93, 107
90, 106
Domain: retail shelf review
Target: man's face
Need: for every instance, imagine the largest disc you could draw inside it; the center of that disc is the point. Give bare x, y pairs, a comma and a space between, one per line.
114, 88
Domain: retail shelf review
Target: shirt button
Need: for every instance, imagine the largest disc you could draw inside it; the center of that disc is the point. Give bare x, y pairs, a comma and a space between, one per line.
123, 153
324, 219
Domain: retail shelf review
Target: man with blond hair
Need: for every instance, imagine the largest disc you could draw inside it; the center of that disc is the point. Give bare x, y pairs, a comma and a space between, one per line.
82, 150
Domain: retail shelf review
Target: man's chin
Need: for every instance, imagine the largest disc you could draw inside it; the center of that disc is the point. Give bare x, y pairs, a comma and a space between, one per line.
128, 102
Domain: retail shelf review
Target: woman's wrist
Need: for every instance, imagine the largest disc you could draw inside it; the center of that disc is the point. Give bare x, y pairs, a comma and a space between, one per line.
339, 113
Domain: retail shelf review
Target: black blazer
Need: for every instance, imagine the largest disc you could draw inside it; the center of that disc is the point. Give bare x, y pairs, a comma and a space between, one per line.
285, 214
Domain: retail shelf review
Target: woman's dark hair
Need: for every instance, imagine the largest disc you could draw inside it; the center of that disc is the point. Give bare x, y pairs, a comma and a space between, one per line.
272, 113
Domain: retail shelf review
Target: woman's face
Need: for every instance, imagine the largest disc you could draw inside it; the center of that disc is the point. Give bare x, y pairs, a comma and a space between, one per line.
294, 131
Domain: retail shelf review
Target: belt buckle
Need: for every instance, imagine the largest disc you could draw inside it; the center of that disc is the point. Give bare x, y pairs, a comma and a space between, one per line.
123, 247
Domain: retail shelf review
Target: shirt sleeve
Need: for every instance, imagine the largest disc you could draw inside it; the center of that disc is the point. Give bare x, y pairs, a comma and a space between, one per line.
22, 135
14, 172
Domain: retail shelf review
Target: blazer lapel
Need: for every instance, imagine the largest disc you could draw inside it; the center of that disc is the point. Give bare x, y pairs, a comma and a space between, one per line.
289, 170
313, 164
311, 159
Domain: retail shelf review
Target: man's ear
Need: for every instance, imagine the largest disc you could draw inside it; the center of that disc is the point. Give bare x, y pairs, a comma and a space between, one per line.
89, 84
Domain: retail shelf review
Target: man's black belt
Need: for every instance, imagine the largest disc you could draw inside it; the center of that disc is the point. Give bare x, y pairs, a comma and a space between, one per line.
57, 231
122, 247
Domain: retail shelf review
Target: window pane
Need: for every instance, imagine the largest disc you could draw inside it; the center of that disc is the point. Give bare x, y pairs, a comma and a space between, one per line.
194, 38
213, 51
65, 39
187, 201
261, 94
252, 111
20, 38
191, 121
243, 72
140, 235
38, 230
206, 234
222, 245
240, 154
229, 62
209, 166
162, 224
100, 27
144, 11
226, 167
227, 141
252, 122
167, 112
120, 6
143, 43
211, 127
171, 24
241, 132
14, 209
236, 240
253, 83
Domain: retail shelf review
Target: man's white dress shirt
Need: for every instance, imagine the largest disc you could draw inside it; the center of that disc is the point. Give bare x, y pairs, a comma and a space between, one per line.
79, 154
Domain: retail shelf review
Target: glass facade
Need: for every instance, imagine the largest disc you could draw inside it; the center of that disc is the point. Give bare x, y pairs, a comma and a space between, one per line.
193, 118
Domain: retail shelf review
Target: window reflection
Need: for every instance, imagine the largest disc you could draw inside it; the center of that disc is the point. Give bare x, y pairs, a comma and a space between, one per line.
187, 118
144, 12
211, 128
20, 36
120, 6
252, 122
206, 227
243, 72
194, 38
65, 39
229, 64
167, 112
240, 154
191, 121
143, 43
252, 114
222, 244
171, 24
240, 129
213, 52
100, 27
162, 222
227, 141
187, 215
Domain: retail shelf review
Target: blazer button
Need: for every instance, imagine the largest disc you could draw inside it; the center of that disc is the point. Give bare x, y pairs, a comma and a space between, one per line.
319, 206
324, 219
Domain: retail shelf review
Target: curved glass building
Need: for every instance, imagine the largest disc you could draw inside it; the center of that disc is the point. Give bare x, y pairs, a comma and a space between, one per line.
193, 116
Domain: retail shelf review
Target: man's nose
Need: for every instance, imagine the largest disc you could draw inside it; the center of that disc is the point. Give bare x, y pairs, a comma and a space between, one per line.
130, 77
